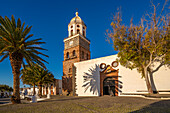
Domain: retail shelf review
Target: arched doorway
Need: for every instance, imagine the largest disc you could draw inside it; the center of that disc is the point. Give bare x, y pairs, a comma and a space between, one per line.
109, 79
109, 86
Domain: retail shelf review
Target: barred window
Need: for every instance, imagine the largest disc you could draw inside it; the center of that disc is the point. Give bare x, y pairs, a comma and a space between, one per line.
67, 54
82, 54
74, 53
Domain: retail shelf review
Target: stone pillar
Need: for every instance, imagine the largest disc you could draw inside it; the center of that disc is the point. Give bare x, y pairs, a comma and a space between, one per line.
54, 92
43, 90
49, 89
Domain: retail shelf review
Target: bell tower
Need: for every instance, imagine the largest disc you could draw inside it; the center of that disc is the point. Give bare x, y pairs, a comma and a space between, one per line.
76, 49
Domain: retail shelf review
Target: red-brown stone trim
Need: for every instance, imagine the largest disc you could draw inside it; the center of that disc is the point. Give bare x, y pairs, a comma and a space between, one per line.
108, 72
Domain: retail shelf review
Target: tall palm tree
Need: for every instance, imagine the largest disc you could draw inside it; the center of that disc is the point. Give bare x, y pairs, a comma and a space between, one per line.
15, 44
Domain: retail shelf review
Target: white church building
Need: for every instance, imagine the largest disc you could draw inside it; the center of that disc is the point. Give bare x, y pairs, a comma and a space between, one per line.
105, 76
83, 76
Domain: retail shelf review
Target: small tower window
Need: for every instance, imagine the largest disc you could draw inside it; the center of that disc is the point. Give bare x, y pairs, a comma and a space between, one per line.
71, 26
83, 33
78, 31
82, 54
83, 27
87, 56
67, 54
71, 32
74, 53
78, 26
69, 70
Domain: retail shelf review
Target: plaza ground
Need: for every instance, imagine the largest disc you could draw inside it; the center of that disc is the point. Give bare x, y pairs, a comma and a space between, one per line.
105, 104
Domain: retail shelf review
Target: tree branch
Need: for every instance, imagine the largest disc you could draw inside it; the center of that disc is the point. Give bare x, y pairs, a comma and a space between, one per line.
160, 65
150, 60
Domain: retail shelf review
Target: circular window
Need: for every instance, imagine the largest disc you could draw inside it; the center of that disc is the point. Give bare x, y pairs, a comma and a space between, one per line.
102, 66
71, 26
115, 64
78, 26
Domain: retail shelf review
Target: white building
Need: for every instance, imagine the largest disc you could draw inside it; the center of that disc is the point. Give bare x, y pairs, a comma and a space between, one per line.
5, 93
104, 76
54, 88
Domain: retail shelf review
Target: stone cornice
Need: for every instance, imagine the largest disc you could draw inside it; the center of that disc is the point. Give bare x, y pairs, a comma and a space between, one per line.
76, 36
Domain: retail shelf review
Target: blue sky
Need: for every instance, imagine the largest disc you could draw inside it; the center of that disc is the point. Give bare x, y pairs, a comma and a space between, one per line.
50, 19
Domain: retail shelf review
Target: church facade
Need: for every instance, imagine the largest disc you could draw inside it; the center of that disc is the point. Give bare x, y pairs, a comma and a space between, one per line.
83, 76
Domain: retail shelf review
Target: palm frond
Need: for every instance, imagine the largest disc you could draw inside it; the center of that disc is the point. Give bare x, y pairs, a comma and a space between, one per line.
37, 52
3, 23
8, 22
26, 31
18, 23
13, 22
24, 39
4, 57
5, 49
35, 48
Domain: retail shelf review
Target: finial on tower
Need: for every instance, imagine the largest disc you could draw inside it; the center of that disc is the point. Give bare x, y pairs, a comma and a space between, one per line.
77, 12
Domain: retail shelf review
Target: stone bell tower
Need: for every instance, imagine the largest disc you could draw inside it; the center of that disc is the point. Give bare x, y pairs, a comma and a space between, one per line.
76, 49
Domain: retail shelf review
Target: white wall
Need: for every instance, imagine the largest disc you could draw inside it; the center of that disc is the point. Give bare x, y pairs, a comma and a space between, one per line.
91, 68
30, 91
130, 80
161, 78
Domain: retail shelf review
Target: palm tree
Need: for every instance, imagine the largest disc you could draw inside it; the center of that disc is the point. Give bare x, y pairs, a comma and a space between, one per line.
5, 88
36, 75
15, 44
28, 77
44, 77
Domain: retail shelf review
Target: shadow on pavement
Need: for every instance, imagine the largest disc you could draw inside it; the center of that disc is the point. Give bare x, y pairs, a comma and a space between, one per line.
162, 106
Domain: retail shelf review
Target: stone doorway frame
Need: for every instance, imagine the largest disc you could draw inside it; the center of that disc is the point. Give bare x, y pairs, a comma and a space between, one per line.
108, 72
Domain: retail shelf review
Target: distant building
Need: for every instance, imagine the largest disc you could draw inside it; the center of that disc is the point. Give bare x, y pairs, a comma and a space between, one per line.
4, 93
54, 88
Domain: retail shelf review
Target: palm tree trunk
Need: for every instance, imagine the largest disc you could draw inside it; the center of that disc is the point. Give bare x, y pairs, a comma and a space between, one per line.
33, 89
16, 61
40, 90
